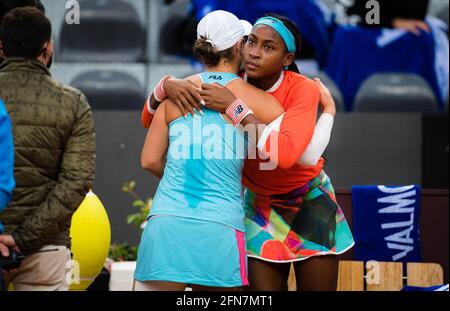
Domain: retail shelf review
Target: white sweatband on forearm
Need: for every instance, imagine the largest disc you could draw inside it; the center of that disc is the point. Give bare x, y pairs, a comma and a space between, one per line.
319, 141
159, 92
149, 107
273, 126
238, 111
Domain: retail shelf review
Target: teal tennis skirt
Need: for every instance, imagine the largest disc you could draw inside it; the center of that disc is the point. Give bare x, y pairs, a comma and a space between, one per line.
191, 251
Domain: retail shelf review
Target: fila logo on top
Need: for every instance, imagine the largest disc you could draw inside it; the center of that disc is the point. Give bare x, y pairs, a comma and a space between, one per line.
215, 78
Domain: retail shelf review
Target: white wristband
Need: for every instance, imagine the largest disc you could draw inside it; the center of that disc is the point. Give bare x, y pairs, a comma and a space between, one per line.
238, 111
149, 107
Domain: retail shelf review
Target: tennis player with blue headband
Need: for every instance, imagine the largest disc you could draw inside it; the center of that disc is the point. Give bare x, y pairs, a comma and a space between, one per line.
292, 215
291, 212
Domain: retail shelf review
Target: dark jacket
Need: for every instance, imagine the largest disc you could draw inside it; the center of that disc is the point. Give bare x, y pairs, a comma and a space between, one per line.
54, 153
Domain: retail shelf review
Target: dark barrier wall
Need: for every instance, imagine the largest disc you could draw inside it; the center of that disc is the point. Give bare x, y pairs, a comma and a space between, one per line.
119, 142
365, 149
375, 149
435, 152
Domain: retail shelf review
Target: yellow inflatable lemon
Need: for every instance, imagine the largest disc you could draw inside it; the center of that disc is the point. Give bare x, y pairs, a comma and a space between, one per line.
91, 237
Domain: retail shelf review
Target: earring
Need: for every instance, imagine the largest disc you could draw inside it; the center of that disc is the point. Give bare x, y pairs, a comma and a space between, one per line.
286, 67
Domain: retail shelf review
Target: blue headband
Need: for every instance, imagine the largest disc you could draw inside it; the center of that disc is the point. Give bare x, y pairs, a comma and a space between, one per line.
282, 30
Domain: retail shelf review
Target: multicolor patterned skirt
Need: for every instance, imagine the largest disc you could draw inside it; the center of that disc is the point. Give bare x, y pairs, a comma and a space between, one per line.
298, 225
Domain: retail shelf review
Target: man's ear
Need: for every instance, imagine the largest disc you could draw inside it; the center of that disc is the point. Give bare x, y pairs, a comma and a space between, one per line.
49, 49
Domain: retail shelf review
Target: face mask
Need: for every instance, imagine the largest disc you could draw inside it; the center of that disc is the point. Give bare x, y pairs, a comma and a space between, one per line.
50, 62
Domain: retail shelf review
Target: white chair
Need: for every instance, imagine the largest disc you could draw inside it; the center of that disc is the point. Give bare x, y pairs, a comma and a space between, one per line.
121, 276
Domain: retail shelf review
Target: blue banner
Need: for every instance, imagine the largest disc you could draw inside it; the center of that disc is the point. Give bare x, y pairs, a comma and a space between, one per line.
441, 288
386, 223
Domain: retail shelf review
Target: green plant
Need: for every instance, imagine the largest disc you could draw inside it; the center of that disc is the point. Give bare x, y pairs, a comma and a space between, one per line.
137, 219
125, 252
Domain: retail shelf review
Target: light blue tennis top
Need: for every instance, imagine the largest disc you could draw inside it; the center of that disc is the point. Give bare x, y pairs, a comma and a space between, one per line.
202, 177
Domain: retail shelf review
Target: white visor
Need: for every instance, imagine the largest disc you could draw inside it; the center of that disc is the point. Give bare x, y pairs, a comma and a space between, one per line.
221, 29
247, 27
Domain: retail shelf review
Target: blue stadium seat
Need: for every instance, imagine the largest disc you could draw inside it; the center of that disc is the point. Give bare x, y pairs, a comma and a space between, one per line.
109, 31
396, 92
110, 90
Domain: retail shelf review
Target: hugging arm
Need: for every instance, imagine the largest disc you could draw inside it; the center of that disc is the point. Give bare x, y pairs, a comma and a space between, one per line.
153, 156
265, 107
296, 128
182, 92
284, 140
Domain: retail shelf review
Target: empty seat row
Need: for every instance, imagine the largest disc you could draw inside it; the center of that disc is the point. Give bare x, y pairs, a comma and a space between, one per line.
389, 92
396, 92
109, 31
116, 86
110, 90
